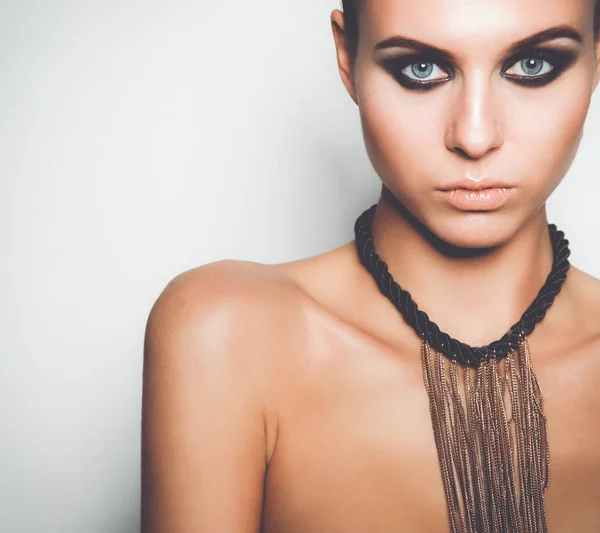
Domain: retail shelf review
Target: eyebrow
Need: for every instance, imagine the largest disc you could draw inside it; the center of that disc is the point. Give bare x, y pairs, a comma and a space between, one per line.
556, 32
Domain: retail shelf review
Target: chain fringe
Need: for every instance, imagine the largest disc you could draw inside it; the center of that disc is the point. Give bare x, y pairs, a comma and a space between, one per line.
492, 442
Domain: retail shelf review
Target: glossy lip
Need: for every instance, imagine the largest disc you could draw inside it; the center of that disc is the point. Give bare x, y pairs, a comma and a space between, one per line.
483, 199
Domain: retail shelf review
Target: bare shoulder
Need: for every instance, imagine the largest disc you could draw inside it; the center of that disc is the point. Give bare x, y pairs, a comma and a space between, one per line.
251, 311
226, 302
246, 285
586, 282
228, 282
587, 289
584, 291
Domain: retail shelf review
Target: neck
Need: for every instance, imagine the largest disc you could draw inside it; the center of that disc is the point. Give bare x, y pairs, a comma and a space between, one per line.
474, 297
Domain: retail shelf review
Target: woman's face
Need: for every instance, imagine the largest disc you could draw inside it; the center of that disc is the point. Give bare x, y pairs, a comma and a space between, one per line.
488, 107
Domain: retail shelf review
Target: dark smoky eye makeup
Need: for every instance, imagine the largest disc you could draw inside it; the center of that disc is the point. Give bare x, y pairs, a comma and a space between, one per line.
557, 59
560, 60
395, 65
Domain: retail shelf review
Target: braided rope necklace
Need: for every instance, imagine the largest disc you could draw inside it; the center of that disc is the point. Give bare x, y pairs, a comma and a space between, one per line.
425, 327
491, 435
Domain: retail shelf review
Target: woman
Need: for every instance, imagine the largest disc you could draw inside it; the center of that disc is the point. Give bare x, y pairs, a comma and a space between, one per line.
291, 397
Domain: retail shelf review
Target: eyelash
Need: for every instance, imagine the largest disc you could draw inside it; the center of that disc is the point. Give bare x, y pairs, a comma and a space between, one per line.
560, 61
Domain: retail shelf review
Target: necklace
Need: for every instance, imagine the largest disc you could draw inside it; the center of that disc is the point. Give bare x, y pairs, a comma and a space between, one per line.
491, 436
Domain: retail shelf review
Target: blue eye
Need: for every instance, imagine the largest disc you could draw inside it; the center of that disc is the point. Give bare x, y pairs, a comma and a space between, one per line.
531, 66
422, 70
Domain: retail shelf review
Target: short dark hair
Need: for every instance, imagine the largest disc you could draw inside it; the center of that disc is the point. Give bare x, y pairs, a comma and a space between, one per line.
351, 8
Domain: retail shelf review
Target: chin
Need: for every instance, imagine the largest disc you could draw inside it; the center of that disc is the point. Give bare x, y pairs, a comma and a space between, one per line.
473, 230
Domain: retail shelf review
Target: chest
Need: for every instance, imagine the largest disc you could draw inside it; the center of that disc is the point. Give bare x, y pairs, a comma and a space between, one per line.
356, 452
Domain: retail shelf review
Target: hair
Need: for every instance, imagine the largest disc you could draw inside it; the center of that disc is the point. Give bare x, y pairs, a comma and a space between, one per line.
351, 7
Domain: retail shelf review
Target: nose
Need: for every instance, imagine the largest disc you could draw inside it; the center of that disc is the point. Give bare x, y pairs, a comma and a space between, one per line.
474, 127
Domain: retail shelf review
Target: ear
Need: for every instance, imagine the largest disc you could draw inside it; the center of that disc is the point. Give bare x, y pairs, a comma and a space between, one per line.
345, 62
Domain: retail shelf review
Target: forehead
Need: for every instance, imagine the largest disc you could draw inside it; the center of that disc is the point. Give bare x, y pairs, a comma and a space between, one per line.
465, 25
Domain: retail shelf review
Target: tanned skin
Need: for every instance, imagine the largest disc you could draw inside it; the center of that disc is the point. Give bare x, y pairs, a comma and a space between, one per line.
289, 398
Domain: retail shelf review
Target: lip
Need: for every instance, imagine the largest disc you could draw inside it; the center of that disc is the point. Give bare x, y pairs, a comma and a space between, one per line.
480, 199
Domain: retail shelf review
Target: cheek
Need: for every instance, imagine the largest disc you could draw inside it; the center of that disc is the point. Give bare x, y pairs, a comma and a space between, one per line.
543, 138
402, 131
549, 127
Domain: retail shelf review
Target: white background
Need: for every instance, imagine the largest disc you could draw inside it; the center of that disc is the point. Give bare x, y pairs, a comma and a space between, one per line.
139, 139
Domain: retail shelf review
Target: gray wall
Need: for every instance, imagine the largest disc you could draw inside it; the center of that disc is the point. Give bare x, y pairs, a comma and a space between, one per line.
137, 140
